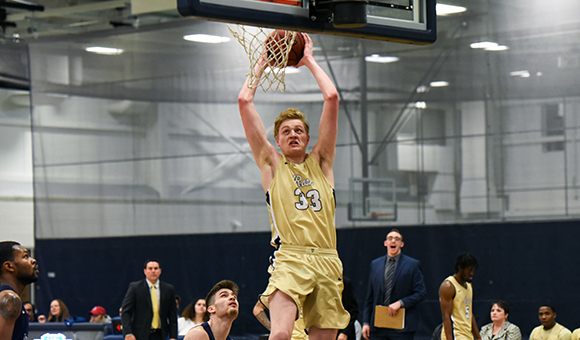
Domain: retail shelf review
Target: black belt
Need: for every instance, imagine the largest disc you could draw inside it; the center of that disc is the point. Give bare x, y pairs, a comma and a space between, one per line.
155, 330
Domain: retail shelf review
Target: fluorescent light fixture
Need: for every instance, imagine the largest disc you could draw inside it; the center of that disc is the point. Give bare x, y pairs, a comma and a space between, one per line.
440, 83
422, 89
497, 48
443, 9
523, 74
420, 105
206, 38
292, 70
375, 58
287, 70
484, 44
104, 50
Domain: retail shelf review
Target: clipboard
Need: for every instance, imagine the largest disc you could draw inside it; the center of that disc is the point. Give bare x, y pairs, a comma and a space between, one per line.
383, 320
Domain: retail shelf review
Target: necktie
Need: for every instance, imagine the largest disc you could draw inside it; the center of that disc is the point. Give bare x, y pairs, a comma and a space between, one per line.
389, 280
155, 305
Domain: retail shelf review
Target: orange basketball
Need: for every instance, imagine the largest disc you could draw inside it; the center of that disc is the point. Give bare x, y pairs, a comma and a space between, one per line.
275, 45
297, 50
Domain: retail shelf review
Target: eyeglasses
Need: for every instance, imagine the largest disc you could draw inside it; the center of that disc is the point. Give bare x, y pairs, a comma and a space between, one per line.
391, 238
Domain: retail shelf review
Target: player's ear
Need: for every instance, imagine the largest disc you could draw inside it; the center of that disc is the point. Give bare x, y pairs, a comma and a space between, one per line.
8, 266
211, 309
402, 244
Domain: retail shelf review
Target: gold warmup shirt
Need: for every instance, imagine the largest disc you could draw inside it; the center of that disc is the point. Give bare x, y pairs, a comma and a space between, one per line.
301, 204
462, 311
558, 332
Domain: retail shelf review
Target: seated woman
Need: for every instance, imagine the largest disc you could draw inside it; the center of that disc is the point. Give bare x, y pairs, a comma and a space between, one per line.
58, 311
500, 328
192, 315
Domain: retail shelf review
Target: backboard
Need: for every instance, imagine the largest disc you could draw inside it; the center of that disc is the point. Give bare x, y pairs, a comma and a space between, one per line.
408, 21
372, 199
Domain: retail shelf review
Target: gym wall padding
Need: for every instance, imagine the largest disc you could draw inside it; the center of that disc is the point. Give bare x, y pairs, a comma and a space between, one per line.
525, 264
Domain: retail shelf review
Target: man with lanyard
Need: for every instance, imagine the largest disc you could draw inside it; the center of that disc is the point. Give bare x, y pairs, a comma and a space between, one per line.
18, 270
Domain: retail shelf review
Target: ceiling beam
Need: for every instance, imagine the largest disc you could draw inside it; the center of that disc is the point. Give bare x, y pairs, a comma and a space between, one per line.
71, 10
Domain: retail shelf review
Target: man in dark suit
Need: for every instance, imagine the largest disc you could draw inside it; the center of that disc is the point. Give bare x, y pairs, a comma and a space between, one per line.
148, 310
349, 303
395, 281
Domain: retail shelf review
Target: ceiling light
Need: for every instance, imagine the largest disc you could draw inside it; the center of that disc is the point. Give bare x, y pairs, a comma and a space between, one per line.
292, 70
443, 9
497, 48
287, 70
422, 89
206, 38
484, 44
420, 105
523, 74
440, 83
375, 58
104, 50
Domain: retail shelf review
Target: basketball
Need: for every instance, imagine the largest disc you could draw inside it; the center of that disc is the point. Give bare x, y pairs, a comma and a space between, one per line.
297, 51
276, 47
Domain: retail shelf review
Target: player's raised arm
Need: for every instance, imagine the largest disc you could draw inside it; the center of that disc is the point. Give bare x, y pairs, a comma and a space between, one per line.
265, 154
325, 147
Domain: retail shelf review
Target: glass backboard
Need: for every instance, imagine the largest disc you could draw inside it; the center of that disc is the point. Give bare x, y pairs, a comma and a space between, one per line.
409, 21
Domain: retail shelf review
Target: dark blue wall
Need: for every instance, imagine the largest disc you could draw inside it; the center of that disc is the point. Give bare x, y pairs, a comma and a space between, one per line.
523, 263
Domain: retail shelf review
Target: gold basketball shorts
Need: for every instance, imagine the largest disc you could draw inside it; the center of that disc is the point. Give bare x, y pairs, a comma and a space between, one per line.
312, 277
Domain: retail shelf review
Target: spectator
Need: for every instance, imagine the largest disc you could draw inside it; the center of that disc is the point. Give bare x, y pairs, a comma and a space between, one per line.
58, 311
500, 328
193, 315
98, 314
550, 329
349, 303
31, 311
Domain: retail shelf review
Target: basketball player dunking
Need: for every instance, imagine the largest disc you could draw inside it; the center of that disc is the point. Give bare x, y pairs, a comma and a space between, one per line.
300, 196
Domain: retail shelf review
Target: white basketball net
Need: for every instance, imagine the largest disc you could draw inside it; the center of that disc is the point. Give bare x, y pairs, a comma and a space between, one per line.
267, 43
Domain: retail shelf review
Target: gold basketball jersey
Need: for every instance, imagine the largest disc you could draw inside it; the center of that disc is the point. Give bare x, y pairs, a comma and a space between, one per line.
301, 204
462, 311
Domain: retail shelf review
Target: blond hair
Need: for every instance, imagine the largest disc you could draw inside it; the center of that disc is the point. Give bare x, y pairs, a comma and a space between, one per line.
291, 113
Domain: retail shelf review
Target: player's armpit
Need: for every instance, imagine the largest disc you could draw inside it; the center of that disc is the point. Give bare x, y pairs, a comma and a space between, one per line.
10, 305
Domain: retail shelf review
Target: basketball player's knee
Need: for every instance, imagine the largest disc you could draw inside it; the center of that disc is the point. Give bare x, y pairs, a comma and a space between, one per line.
280, 334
